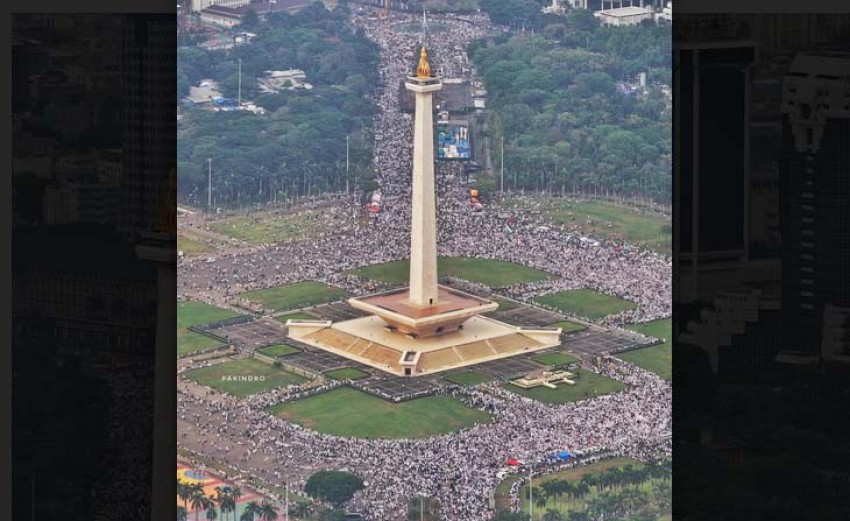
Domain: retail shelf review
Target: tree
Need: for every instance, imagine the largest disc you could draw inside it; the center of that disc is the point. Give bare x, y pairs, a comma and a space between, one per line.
250, 20
199, 502
184, 492
552, 515
268, 512
540, 497
211, 512
334, 486
252, 508
301, 509
181, 513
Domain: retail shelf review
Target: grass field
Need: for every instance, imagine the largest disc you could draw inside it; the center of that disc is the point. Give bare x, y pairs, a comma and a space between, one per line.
555, 359
192, 314
298, 315
347, 373
568, 327
279, 350
352, 413
293, 296
659, 358
564, 504
612, 221
190, 246
493, 273
468, 378
585, 303
271, 228
588, 385
189, 342
266, 377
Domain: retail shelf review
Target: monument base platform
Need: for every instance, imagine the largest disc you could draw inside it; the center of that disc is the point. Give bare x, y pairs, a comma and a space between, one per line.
369, 341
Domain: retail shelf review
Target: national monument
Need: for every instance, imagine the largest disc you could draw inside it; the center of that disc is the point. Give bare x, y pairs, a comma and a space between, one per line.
424, 328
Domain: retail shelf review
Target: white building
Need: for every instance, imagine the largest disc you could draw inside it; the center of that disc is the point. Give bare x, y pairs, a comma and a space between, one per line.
277, 81
624, 16
221, 15
666, 14
200, 5
555, 8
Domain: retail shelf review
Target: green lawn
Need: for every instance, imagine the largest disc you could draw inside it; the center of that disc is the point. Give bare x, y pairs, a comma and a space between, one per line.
564, 504
585, 303
270, 228
298, 315
493, 273
190, 246
279, 350
468, 378
293, 296
612, 221
658, 358
555, 359
266, 376
588, 385
192, 314
190, 342
347, 373
352, 413
568, 327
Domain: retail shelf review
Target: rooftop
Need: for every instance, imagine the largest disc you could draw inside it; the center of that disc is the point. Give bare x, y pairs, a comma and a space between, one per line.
625, 11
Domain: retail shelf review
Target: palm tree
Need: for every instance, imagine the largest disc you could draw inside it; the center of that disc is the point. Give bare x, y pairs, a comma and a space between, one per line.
578, 516
552, 515
551, 488
235, 494
268, 512
224, 498
251, 509
590, 480
211, 513
184, 492
568, 489
199, 502
302, 509
181, 513
581, 490
541, 497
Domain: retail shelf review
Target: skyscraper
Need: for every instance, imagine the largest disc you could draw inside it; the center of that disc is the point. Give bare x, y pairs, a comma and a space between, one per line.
711, 142
149, 125
814, 189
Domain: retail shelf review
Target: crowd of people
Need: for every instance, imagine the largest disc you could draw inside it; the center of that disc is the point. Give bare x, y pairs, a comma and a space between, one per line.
458, 469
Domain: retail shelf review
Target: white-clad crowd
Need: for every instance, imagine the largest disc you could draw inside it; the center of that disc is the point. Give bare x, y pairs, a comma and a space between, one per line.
459, 469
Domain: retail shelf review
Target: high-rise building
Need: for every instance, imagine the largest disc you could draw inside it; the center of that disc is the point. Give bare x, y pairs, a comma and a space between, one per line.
150, 150
814, 190
712, 81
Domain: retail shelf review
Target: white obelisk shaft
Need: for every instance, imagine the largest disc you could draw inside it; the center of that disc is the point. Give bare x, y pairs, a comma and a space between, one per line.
423, 228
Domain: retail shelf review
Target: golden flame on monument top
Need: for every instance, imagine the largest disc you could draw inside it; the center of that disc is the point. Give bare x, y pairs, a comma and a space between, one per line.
423, 71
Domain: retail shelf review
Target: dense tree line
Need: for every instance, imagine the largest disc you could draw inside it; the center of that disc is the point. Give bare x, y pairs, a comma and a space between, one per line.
554, 99
618, 494
299, 147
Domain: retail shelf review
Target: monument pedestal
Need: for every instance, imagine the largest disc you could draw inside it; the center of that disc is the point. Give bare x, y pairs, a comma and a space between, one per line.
369, 341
